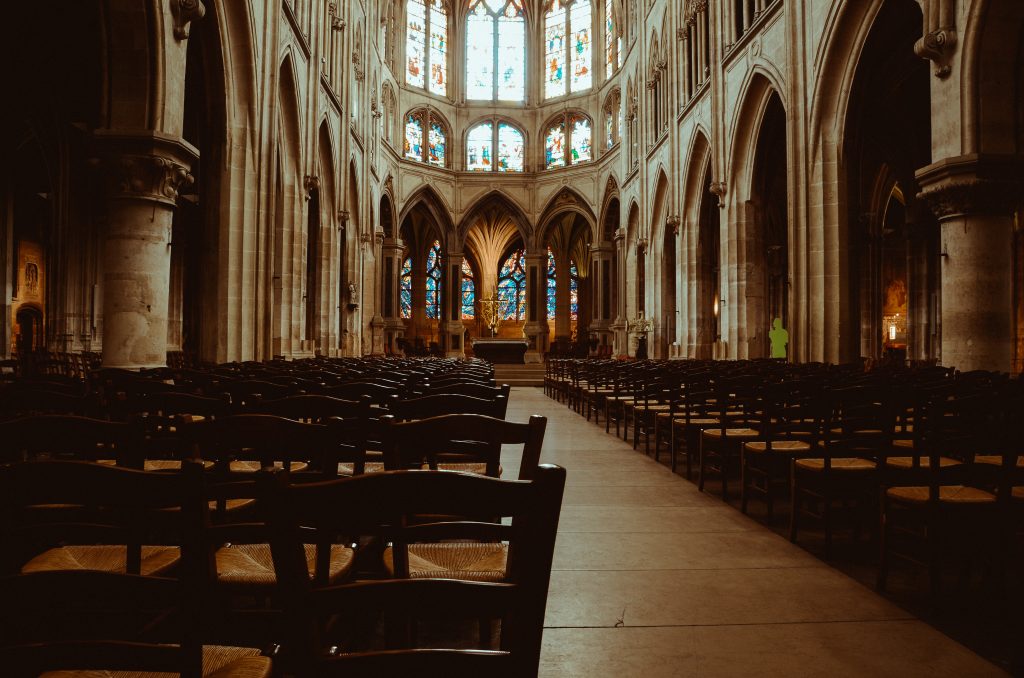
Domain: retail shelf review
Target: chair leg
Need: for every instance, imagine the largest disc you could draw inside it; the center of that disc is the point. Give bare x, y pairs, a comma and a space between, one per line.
795, 506
883, 550
700, 467
672, 445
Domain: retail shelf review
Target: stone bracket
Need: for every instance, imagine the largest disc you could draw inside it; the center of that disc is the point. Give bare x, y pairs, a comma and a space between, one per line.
184, 13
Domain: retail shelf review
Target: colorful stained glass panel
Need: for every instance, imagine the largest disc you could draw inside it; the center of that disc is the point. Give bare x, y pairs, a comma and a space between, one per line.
581, 151
554, 147
437, 148
414, 138
405, 288
512, 286
510, 148
438, 48
468, 292
415, 43
554, 50
479, 151
434, 281
580, 21
552, 285
574, 291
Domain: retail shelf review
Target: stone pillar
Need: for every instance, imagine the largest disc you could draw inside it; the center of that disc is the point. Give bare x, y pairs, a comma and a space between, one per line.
602, 292
451, 305
619, 325
974, 199
536, 326
394, 326
143, 173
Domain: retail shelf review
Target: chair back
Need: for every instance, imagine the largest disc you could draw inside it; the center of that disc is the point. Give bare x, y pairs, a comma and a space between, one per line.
70, 437
385, 504
440, 404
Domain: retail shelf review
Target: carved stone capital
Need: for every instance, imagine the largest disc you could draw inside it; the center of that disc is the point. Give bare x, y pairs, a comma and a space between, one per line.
150, 166
719, 189
184, 13
972, 185
310, 183
938, 47
673, 221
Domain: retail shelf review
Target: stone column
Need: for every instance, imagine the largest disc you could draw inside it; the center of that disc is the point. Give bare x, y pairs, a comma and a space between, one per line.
142, 173
373, 278
451, 305
602, 292
394, 326
536, 327
974, 199
619, 325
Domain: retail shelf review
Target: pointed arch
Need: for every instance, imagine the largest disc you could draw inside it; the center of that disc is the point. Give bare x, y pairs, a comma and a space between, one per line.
289, 121
431, 201
748, 118
501, 200
568, 199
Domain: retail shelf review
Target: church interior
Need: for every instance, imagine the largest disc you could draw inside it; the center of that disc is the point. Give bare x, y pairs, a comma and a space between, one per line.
296, 290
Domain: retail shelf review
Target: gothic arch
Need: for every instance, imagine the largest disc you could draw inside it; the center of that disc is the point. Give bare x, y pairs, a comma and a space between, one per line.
565, 200
748, 118
427, 197
234, 22
611, 194
495, 197
289, 120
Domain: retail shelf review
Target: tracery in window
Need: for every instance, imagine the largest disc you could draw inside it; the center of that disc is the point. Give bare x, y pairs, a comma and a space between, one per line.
468, 291
512, 286
481, 142
427, 66
434, 281
405, 287
496, 51
433, 149
567, 47
567, 141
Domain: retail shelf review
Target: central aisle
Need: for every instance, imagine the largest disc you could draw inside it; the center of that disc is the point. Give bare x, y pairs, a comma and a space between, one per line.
652, 578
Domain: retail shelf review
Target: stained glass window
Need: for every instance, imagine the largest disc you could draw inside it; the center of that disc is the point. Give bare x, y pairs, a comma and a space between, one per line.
468, 291
510, 148
567, 47
414, 137
574, 291
609, 128
415, 43
496, 51
434, 281
552, 285
427, 66
479, 148
568, 141
431, 150
612, 42
437, 145
405, 288
554, 146
580, 139
512, 286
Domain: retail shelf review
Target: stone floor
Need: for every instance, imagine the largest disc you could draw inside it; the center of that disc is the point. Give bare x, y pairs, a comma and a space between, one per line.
652, 578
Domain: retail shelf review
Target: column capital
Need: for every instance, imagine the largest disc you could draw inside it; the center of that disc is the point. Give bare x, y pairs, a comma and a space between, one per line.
143, 165
972, 185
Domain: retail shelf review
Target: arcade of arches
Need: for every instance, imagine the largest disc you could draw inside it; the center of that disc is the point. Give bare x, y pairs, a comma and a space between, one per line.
237, 180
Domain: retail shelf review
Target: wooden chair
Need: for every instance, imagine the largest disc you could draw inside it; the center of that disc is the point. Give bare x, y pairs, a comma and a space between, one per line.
314, 409
384, 504
440, 404
88, 620
734, 411
472, 390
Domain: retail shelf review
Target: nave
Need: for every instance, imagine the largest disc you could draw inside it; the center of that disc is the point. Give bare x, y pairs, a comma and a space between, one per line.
653, 578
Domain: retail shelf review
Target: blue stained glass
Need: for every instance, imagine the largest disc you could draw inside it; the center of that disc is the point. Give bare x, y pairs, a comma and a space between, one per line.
437, 145
414, 138
434, 281
574, 291
405, 288
468, 292
552, 302
512, 286
554, 146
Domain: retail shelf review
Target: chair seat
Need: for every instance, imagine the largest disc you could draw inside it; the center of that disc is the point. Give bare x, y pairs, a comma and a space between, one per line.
156, 560
347, 469
252, 564
781, 446
157, 464
254, 466
948, 494
903, 443
1017, 493
843, 464
218, 662
468, 467
731, 433
696, 421
996, 460
654, 408
454, 560
908, 462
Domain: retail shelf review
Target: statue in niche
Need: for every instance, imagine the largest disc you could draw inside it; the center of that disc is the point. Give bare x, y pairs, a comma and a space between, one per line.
31, 277
779, 338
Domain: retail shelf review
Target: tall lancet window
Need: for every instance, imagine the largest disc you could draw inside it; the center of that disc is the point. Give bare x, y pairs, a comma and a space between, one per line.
468, 291
612, 40
484, 138
496, 51
568, 141
567, 47
405, 287
512, 286
434, 281
426, 45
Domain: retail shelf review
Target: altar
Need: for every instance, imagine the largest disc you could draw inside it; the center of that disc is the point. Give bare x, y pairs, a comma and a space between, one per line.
499, 350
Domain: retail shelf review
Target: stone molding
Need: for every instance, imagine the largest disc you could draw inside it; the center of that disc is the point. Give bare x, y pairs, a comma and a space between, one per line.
972, 185
149, 166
